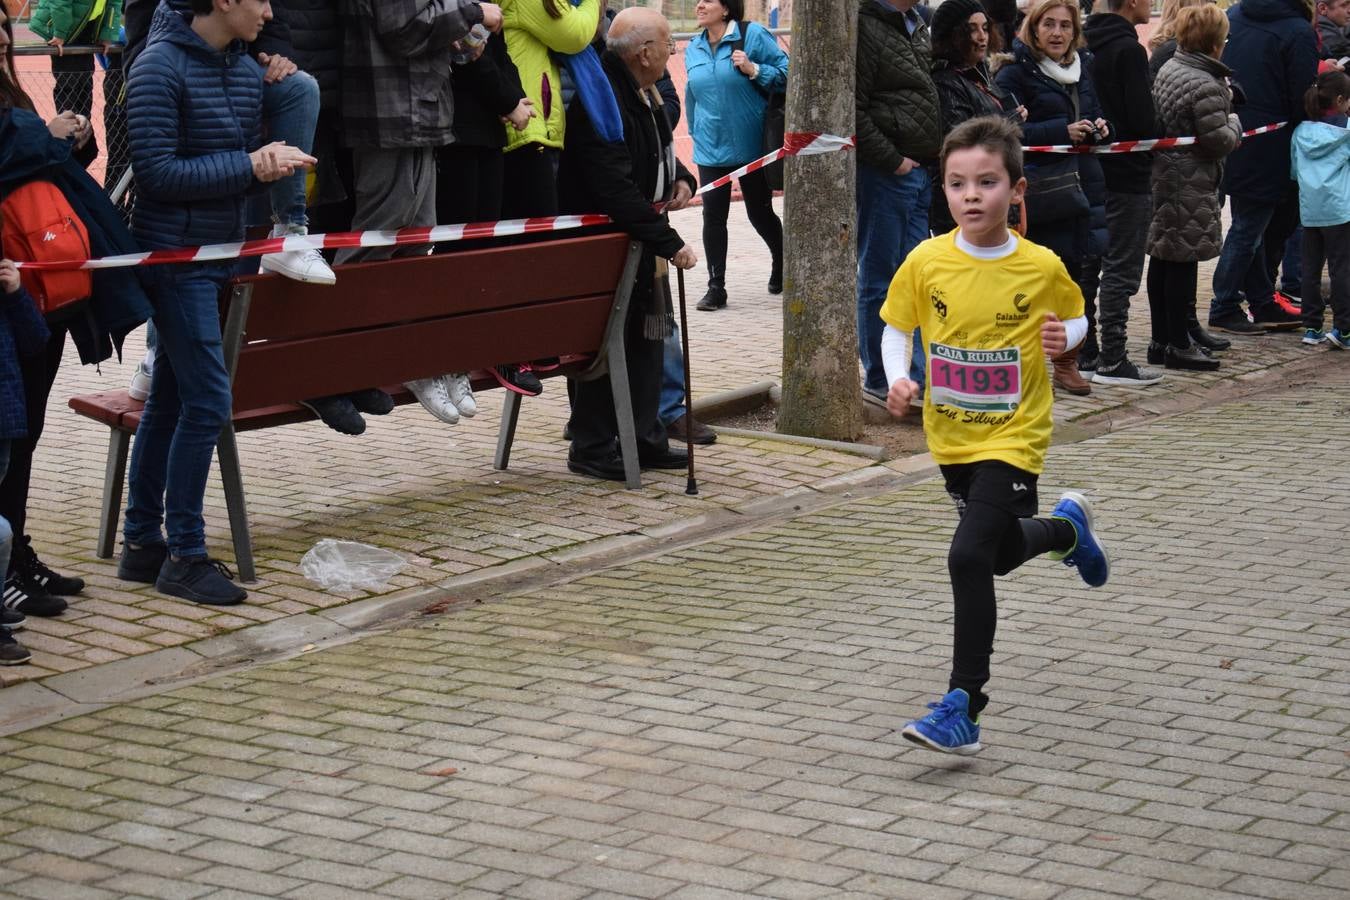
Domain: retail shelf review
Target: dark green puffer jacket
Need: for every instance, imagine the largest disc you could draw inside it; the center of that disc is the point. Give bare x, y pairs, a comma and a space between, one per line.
898, 112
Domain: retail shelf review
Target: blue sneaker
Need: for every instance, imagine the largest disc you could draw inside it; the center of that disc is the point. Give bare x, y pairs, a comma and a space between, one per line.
1088, 555
1313, 336
948, 728
1338, 339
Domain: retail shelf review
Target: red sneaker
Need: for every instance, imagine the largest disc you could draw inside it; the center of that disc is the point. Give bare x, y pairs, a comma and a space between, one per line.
1289, 304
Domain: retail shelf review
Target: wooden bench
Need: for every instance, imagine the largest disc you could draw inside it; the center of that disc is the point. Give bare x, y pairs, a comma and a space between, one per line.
385, 323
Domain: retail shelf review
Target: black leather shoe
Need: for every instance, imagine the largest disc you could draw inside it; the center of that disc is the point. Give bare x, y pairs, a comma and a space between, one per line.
1193, 359
716, 298
1208, 339
776, 277
670, 459
609, 468
338, 413
372, 402
1155, 353
686, 428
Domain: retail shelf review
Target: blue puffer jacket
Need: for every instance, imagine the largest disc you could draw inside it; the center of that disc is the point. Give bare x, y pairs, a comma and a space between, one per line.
726, 111
194, 114
1272, 50
1049, 112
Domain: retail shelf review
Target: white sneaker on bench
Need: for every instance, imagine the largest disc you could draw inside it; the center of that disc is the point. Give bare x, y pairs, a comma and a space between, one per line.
299, 265
460, 390
432, 394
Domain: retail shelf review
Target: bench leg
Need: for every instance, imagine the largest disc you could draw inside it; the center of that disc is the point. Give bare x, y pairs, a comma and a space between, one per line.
506, 433
228, 451
623, 415
114, 478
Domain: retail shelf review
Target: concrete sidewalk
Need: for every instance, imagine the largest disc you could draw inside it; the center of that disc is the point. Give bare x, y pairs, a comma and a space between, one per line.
428, 492
720, 721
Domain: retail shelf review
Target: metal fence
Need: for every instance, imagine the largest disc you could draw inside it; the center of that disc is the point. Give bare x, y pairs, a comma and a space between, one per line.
85, 82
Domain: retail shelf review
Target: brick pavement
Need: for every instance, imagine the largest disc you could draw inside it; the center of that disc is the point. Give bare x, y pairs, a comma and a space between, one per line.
449, 514
720, 721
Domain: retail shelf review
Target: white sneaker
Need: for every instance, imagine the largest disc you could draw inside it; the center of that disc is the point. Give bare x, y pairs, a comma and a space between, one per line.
139, 389
301, 265
460, 391
431, 393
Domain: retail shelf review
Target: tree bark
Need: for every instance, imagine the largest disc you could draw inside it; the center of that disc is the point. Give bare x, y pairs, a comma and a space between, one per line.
821, 385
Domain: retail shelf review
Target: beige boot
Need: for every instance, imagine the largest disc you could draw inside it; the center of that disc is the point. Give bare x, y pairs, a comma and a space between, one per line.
1066, 374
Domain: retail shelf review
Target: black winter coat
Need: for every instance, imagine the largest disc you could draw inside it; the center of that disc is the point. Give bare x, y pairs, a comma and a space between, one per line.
1049, 112
962, 94
316, 37
1159, 57
485, 90
619, 179
1124, 87
1272, 51
119, 302
897, 104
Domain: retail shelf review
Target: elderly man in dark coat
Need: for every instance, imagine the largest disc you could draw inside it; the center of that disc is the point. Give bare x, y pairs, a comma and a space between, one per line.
623, 180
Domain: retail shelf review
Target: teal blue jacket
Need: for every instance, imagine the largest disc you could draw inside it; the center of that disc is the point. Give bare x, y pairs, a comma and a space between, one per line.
1321, 165
725, 111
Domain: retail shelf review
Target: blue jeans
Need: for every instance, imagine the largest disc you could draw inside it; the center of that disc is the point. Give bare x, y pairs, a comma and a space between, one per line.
1242, 265
189, 404
672, 380
1291, 267
6, 533
291, 110
892, 220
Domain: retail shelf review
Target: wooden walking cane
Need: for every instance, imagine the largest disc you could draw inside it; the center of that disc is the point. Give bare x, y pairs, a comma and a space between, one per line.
691, 485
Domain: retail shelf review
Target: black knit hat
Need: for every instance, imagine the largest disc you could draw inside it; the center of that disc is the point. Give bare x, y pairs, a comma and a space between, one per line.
950, 15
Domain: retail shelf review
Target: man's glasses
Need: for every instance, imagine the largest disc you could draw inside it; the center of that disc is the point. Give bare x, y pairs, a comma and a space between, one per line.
670, 44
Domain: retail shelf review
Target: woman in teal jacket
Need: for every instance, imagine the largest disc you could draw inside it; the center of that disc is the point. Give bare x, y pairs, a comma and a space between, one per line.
731, 73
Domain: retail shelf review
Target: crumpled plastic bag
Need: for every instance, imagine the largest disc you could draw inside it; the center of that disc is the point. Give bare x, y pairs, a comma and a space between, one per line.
347, 565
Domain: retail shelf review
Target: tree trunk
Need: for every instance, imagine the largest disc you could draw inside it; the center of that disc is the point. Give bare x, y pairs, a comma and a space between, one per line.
821, 385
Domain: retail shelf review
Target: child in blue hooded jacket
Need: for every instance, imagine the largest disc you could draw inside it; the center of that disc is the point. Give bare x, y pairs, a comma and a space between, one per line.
1321, 165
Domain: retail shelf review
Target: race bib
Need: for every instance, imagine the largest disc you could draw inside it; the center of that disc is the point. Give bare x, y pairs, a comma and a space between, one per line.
975, 380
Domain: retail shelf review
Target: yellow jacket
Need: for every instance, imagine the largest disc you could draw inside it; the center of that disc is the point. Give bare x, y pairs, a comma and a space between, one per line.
532, 36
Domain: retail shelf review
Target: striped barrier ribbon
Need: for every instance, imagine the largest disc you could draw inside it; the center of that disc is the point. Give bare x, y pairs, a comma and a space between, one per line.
794, 144
1139, 146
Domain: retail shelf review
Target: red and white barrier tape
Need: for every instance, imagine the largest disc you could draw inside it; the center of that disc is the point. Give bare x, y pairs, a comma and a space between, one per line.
794, 144
1139, 146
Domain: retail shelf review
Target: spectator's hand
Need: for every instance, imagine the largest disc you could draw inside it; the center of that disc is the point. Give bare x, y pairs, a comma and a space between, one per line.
1079, 131
747, 66
685, 259
1103, 128
907, 165
900, 396
683, 194
84, 130
59, 44
107, 47
9, 276
278, 160
1022, 111
276, 67
522, 114
66, 126
492, 16
1054, 340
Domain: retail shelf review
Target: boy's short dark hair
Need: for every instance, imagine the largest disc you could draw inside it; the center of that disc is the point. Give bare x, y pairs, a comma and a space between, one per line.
203, 7
998, 136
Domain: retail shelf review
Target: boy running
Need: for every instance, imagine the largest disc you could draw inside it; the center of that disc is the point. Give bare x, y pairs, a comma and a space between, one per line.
992, 307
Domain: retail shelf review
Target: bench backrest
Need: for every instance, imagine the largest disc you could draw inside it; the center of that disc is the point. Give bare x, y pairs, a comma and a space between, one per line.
393, 321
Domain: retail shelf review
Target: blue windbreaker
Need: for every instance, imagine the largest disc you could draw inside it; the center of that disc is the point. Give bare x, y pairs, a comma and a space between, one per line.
1321, 164
726, 112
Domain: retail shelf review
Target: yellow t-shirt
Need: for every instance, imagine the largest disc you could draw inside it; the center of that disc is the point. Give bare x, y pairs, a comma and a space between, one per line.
988, 395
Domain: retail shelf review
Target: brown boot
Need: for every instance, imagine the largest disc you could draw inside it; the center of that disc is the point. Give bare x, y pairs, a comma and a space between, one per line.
1066, 374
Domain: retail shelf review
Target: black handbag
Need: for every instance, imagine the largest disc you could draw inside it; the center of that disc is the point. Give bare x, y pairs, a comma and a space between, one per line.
1055, 192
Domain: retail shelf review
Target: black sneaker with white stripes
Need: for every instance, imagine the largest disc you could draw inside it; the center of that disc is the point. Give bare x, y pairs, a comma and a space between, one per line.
30, 601
38, 575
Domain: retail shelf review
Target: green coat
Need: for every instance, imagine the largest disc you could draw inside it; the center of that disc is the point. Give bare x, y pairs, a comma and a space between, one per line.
533, 37
897, 104
65, 19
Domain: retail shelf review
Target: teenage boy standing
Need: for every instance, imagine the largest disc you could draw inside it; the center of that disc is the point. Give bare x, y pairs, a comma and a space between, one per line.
991, 308
194, 109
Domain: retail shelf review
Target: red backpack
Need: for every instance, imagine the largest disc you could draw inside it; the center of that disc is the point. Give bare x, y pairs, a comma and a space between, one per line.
38, 225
